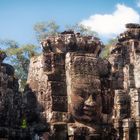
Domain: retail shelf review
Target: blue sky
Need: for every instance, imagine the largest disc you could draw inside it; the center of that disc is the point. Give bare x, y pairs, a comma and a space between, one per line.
17, 17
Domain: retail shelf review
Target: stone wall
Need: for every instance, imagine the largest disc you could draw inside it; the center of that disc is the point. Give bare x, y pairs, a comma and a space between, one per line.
10, 100
47, 81
125, 76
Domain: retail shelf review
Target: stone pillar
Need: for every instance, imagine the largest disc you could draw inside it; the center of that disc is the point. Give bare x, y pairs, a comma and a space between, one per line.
54, 93
126, 127
59, 131
137, 104
137, 71
121, 104
137, 128
135, 112
48, 83
121, 111
132, 94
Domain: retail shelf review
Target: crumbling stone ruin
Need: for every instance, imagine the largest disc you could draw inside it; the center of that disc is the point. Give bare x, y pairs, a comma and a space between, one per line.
72, 87
68, 41
125, 58
10, 101
72, 93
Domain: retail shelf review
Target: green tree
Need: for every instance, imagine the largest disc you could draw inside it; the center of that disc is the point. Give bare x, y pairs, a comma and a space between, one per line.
24, 123
19, 57
44, 29
81, 29
106, 51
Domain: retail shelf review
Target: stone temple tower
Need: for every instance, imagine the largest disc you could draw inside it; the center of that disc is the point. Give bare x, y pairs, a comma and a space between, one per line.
125, 60
72, 88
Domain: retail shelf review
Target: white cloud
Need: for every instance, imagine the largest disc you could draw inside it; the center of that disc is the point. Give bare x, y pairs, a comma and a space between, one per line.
109, 25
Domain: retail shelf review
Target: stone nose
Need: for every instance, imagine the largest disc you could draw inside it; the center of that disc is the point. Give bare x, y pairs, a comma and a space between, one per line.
90, 101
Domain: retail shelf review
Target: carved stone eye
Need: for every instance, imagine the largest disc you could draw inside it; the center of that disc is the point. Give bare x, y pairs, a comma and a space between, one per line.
81, 94
94, 96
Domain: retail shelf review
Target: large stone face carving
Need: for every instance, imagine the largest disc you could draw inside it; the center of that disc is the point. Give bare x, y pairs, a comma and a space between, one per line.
88, 88
86, 103
85, 89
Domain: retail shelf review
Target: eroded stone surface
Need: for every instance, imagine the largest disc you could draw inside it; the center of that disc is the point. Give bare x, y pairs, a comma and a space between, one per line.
89, 97
125, 82
71, 93
55, 77
10, 99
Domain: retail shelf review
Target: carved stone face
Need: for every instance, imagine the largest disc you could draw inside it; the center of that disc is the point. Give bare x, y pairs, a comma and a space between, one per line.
85, 88
86, 103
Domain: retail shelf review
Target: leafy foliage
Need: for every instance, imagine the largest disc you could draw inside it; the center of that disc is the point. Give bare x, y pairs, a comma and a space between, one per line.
24, 123
44, 29
106, 51
19, 58
81, 29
